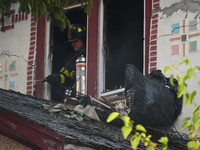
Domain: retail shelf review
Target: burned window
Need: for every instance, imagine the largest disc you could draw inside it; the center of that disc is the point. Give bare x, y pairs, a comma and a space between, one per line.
123, 40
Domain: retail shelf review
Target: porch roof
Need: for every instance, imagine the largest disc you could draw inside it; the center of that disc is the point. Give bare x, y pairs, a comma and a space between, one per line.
23, 118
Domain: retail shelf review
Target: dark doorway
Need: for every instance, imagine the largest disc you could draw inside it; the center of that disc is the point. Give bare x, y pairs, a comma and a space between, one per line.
123, 39
61, 48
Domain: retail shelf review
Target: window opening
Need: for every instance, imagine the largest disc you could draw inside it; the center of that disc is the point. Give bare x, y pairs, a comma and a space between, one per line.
122, 40
61, 48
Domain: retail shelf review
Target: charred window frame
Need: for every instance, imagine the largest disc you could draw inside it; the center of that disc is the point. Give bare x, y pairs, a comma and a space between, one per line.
121, 42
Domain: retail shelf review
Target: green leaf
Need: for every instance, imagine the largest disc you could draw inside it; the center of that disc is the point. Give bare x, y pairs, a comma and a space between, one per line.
181, 90
171, 80
139, 127
196, 109
44, 8
192, 145
143, 135
194, 93
126, 120
197, 67
191, 128
164, 147
198, 129
174, 66
197, 125
196, 118
150, 148
135, 142
185, 125
186, 61
163, 140
187, 99
186, 118
112, 116
126, 130
180, 79
166, 69
190, 73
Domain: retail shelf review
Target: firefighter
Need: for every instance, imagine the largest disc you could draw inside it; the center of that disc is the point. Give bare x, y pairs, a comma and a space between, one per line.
66, 76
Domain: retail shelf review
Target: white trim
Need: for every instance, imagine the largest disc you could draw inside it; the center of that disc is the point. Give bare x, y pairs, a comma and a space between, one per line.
144, 32
48, 60
100, 51
101, 62
113, 92
86, 49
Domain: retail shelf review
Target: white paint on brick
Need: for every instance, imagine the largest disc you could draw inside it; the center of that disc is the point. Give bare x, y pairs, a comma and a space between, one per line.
17, 41
164, 57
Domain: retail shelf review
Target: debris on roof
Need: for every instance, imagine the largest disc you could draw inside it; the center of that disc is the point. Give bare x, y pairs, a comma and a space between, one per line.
95, 135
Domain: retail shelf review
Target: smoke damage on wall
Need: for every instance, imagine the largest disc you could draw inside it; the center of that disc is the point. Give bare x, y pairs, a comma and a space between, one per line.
184, 5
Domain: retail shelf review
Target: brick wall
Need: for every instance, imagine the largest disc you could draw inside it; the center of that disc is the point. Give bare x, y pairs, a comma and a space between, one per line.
153, 37
9, 24
31, 58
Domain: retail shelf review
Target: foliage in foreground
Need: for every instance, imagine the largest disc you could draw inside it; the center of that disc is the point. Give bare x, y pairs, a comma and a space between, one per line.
192, 123
140, 134
38, 8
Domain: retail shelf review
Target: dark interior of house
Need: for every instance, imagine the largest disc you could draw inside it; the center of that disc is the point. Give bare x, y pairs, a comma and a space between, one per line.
123, 39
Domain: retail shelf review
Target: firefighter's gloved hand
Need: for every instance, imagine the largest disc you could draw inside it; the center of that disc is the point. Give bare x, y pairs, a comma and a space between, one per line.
53, 79
86, 100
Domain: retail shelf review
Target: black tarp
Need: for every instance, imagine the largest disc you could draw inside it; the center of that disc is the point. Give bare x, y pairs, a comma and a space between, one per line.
152, 99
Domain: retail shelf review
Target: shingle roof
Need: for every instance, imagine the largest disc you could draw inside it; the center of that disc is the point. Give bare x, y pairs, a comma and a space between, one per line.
95, 135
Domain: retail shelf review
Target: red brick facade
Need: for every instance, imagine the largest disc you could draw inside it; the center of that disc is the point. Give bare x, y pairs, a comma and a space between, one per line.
153, 38
31, 58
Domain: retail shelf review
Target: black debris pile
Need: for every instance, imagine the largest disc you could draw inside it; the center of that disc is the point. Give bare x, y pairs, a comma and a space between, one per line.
153, 103
151, 98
